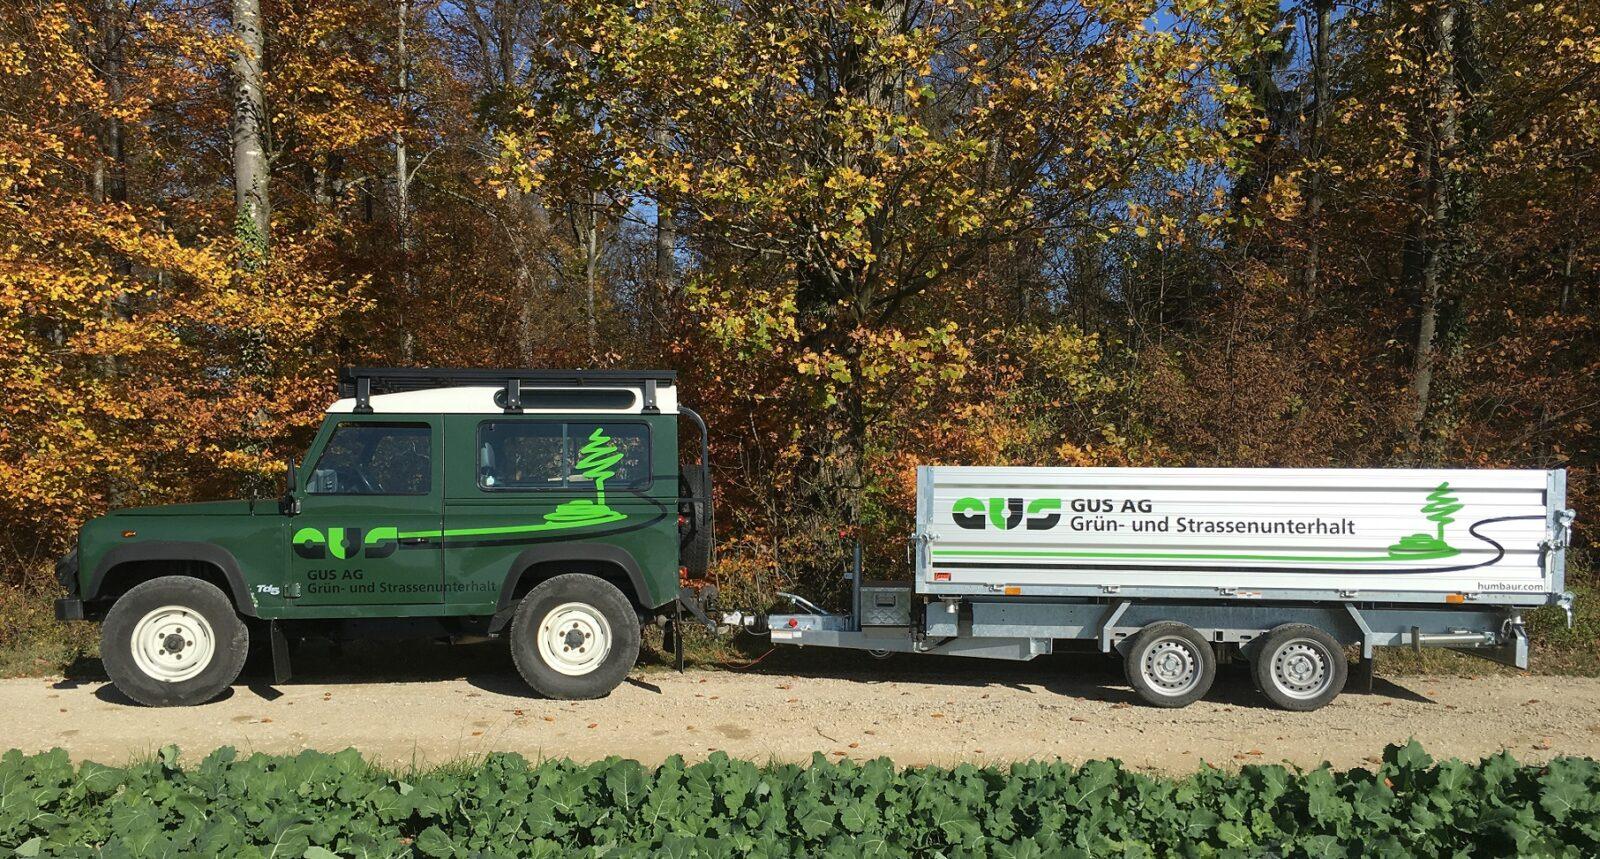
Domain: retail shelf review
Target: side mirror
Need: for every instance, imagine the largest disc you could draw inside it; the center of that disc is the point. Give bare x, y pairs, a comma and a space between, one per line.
289, 504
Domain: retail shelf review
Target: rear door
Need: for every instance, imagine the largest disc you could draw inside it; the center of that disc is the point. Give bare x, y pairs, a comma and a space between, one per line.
538, 480
371, 514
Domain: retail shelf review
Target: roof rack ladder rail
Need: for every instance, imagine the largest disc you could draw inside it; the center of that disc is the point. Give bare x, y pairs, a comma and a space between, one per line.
363, 395
513, 396
649, 407
705, 470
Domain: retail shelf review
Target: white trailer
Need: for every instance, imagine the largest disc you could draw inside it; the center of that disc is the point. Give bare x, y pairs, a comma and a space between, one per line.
1176, 568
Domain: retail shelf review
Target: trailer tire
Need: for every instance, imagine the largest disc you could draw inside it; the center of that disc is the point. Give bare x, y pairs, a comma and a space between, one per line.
173, 641
1300, 667
575, 637
1169, 664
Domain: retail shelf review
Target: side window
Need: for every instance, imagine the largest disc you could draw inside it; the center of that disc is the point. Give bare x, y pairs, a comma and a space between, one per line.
524, 455
519, 455
626, 447
375, 459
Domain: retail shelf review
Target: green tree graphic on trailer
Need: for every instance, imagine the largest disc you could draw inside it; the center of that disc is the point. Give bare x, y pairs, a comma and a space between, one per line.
1440, 509
596, 459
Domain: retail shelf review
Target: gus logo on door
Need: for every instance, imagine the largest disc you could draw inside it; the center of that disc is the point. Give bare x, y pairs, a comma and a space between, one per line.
346, 543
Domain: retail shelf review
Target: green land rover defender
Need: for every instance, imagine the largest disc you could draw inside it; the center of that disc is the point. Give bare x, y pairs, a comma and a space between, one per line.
546, 506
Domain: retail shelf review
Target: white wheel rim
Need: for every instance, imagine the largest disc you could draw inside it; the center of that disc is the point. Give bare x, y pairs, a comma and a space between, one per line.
1171, 666
173, 644
574, 638
1301, 669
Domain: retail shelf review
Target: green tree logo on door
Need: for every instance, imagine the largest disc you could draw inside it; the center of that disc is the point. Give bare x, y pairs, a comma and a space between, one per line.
1440, 509
596, 460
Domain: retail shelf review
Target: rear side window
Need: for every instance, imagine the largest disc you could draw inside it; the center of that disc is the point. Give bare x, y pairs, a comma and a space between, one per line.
532, 455
375, 459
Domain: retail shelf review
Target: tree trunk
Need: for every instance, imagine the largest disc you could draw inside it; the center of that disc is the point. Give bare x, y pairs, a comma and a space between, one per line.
522, 286
1319, 126
402, 176
250, 195
1441, 146
110, 185
666, 232
591, 263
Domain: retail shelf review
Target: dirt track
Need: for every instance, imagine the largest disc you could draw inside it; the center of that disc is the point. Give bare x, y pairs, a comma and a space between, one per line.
917, 711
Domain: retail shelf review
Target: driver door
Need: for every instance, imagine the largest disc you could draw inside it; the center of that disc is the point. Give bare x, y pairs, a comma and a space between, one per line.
370, 516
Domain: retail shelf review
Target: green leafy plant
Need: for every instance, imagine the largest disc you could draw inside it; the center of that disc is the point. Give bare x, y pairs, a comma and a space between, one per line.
319, 805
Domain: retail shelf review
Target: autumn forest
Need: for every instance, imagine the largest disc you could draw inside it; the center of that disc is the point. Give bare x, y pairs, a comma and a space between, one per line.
868, 234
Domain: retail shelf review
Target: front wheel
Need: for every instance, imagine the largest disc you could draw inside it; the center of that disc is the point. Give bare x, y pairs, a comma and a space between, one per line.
173, 641
575, 637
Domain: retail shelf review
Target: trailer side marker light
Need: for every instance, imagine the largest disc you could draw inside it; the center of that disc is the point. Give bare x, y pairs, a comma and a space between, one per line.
130, 533
1455, 598
941, 577
1013, 590
793, 623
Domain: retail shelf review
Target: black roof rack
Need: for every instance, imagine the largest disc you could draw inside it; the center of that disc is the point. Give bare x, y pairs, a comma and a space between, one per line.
362, 382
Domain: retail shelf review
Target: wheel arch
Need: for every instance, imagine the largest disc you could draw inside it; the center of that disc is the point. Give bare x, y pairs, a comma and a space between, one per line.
123, 567
540, 563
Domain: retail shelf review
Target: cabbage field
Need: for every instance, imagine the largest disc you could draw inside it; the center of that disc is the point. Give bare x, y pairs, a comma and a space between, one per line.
320, 805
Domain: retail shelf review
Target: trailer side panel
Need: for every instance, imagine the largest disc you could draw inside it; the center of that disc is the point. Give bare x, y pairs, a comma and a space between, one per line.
1388, 535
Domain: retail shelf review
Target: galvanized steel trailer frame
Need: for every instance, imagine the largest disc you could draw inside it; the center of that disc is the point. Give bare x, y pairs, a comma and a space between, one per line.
975, 621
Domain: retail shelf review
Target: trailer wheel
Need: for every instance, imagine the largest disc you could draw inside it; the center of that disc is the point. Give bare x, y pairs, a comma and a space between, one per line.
1299, 667
173, 642
575, 637
1168, 664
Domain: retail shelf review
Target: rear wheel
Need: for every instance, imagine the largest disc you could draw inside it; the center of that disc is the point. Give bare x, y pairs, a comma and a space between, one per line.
173, 641
1169, 664
575, 637
1299, 667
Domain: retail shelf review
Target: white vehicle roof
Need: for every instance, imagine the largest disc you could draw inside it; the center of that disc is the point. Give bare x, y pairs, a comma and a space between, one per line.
481, 399
478, 391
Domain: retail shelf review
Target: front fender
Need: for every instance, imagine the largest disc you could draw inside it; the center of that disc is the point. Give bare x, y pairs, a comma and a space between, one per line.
173, 550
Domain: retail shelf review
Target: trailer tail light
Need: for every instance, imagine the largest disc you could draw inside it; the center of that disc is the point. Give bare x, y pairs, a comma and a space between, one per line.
793, 623
941, 577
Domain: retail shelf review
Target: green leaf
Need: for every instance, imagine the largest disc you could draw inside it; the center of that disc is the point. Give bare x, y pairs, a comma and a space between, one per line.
434, 842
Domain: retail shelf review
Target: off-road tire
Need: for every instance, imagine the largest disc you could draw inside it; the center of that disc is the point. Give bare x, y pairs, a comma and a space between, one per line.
698, 535
594, 603
1166, 644
1315, 650
199, 605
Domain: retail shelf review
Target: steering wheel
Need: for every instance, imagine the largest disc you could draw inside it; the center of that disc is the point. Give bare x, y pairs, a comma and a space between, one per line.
361, 481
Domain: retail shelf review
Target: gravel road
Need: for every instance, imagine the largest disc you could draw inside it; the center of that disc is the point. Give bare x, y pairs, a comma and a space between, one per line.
407, 709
